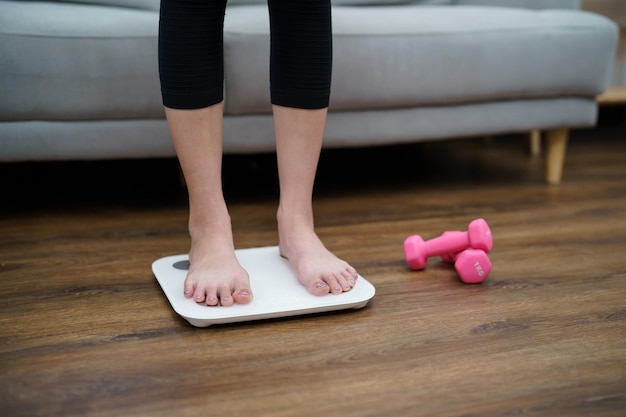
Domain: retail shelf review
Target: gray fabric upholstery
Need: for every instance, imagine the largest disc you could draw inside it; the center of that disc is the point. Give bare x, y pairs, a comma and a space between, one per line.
254, 133
148, 138
65, 61
536, 4
79, 79
367, 127
353, 2
39, 140
530, 4
134, 4
414, 55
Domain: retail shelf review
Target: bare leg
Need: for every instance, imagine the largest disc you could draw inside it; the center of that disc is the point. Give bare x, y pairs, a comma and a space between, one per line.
215, 276
299, 135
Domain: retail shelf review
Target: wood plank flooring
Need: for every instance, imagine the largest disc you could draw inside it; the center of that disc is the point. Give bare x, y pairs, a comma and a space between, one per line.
86, 331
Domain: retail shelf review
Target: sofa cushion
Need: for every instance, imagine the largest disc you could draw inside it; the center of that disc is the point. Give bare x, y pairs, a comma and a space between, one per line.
353, 2
387, 2
406, 56
67, 61
528, 4
135, 4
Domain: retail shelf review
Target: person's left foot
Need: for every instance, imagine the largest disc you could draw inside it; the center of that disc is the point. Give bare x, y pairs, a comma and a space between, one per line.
319, 270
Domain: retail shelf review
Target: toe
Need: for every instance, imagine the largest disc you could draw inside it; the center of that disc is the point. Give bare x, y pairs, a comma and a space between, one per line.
352, 272
189, 291
199, 295
190, 288
334, 284
350, 279
211, 297
226, 297
344, 281
242, 295
318, 288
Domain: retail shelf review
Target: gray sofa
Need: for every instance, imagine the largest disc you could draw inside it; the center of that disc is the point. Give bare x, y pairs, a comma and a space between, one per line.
79, 80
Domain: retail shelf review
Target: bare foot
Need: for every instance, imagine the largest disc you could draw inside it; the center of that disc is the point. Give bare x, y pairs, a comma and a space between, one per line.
215, 276
316, 267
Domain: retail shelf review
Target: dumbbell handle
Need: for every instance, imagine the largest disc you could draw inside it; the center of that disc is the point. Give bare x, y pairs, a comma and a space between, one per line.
449, 242
417, 251
450, 258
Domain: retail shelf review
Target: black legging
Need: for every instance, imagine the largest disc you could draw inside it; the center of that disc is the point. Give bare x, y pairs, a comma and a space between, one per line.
191, 57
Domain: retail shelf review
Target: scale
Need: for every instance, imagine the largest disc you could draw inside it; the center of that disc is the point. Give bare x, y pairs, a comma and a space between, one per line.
277, 292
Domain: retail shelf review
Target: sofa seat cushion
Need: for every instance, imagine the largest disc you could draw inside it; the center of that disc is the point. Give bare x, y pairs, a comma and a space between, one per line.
63, 61
134, 4
408, 56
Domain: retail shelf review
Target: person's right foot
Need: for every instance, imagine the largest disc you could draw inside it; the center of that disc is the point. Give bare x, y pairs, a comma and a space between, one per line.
215, 276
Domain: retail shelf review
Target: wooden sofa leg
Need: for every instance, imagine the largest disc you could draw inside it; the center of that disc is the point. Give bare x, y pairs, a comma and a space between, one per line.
556, 146
534, 142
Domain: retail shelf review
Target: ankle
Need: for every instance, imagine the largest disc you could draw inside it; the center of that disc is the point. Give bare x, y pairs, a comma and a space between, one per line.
210, 224
294, 219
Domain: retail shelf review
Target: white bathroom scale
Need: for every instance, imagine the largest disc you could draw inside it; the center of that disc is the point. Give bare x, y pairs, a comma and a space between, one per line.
277, 292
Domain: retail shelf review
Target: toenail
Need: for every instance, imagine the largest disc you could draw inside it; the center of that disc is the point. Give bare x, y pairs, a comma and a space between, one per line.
198, 297
244, 292
338, 288
212, 299
187, 291
321, 285
225, 298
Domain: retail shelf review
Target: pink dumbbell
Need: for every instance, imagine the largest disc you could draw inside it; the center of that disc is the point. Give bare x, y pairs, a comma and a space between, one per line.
472, 265
417, 251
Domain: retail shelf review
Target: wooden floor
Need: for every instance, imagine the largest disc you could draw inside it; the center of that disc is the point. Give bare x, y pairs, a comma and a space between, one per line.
86, 331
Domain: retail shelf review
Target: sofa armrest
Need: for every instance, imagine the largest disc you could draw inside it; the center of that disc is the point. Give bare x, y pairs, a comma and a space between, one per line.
530, 4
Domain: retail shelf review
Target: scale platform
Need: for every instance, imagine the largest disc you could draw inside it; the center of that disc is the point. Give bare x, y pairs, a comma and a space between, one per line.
277, 292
